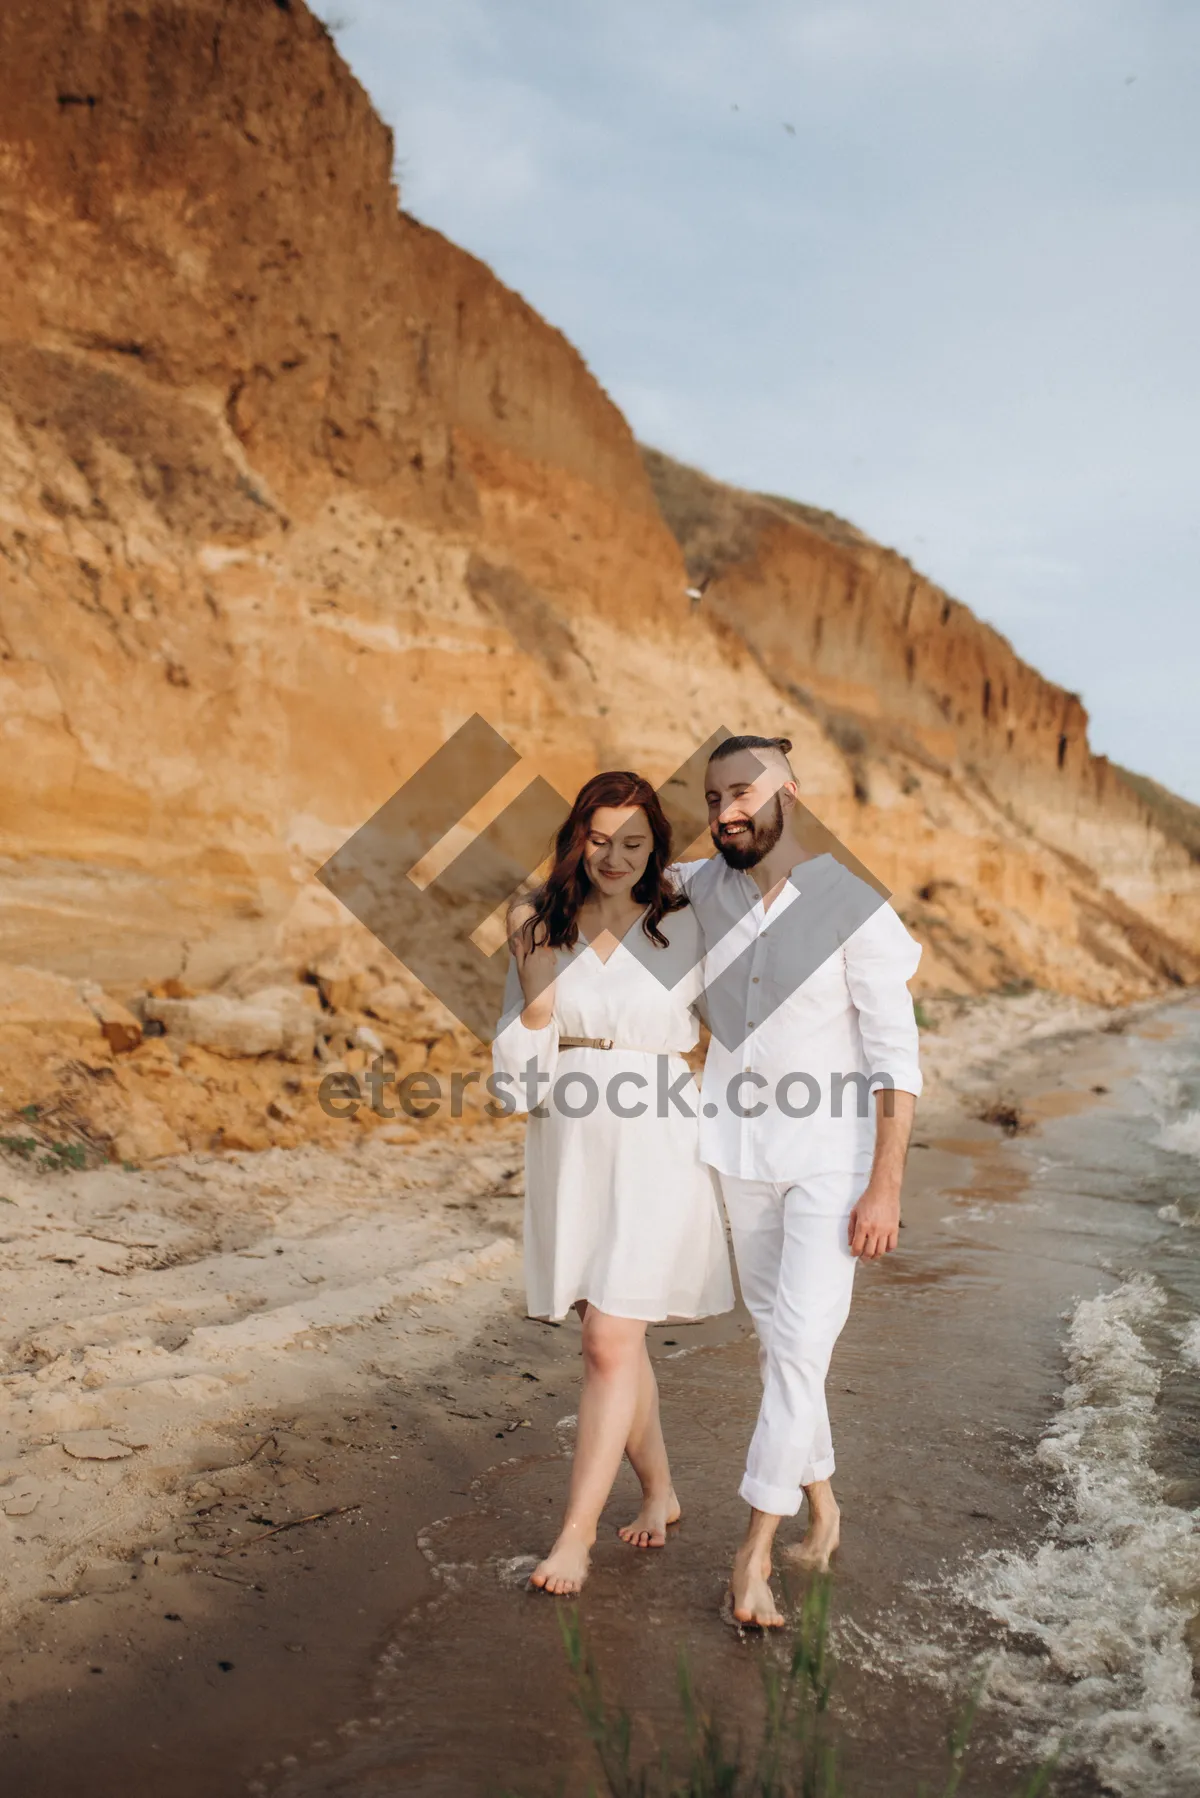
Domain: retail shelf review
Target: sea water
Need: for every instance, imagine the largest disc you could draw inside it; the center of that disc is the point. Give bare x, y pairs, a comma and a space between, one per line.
1106, 1603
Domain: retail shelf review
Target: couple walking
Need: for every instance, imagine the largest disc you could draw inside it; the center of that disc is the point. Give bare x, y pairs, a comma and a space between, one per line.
801, 1123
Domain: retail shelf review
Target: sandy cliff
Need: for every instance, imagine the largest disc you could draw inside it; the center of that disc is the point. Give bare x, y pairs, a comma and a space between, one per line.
1020, 854
292, 487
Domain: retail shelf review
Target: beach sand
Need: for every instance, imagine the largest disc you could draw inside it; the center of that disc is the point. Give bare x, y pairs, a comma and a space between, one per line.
256, 1339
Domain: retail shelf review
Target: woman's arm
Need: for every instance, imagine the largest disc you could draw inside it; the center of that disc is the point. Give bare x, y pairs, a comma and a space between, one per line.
536, 969
525, 1047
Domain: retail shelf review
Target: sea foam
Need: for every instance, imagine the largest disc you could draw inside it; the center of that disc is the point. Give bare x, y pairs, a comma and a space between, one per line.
1108, 1597
1182, 1134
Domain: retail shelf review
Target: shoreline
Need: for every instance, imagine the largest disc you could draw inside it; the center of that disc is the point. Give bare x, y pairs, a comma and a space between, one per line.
313, 1388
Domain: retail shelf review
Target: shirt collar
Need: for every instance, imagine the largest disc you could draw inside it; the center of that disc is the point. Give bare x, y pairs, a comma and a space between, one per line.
792, 875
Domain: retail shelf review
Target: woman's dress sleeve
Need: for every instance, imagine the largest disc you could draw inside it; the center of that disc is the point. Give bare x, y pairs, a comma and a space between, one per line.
523, 1060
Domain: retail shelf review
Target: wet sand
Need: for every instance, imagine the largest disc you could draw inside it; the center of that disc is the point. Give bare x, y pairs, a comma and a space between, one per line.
393, 1649
939, 1389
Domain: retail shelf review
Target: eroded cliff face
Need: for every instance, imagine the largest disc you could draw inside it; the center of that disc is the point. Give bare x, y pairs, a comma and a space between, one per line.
258, 429
292, 486
1020, 854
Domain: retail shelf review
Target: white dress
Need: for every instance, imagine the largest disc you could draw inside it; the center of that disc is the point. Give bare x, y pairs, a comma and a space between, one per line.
619, 1209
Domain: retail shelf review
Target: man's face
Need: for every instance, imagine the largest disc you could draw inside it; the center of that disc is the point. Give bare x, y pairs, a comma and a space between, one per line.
745, 805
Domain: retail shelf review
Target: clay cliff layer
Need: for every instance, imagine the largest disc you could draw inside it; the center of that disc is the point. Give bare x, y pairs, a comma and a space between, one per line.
292, 486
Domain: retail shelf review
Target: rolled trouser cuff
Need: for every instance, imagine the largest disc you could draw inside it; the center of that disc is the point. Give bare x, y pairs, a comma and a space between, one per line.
783, 1501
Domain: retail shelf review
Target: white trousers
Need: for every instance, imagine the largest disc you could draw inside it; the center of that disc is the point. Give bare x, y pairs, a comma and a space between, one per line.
796, 1273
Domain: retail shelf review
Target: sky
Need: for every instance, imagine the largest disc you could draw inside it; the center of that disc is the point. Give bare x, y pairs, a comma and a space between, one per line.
931, 264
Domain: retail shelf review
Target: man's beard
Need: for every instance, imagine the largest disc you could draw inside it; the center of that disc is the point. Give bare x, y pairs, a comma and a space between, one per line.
747, 849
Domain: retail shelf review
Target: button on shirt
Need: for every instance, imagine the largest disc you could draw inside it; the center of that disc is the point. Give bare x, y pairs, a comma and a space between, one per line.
810, 1014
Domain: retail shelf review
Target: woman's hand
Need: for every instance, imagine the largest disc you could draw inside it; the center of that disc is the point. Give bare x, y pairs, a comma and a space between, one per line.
536, 967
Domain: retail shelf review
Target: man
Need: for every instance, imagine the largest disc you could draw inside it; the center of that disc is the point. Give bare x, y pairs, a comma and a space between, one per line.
809, 1090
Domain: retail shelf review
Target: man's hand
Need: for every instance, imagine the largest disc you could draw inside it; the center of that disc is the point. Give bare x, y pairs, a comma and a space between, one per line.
875, 1221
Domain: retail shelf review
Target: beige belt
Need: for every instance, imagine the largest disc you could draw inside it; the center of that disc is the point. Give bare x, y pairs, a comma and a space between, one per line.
606, 1042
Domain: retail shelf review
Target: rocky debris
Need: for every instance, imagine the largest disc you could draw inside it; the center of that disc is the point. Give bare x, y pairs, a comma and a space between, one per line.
144, 1133
341, 991
248, 978
278, 1020
391, 1004
213, 1072
406, 1005
121, 1030
35, 1003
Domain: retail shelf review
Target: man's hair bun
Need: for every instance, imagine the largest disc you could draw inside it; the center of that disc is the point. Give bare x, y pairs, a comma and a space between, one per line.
732, 746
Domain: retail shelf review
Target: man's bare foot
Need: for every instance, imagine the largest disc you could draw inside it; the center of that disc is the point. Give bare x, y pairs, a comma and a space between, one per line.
813, 1553
753, 1601
564, 1570
649, 1528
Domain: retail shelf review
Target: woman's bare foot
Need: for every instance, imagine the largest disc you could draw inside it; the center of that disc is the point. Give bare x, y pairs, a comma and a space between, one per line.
564, 1570
649, 1528
813, 1553
752, 1599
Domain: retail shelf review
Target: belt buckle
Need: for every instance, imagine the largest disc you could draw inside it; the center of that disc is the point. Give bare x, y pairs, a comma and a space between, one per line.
604, 1042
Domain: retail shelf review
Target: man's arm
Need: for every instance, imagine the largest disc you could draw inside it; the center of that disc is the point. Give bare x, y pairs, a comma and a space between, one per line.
881, 959
875, 1220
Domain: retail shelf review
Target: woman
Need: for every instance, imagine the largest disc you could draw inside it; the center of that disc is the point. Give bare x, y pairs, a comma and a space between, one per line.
621, 1217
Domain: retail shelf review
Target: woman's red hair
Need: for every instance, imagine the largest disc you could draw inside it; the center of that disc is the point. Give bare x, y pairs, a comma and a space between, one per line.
555, 917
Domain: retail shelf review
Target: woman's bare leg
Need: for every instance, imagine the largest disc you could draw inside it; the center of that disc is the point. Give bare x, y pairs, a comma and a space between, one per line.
648, 1457
613, 1350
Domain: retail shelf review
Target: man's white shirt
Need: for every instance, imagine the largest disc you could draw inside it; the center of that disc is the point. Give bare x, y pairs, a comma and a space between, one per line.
811, 1014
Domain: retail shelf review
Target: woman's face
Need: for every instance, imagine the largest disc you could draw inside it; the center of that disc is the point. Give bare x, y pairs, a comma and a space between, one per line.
618, 846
